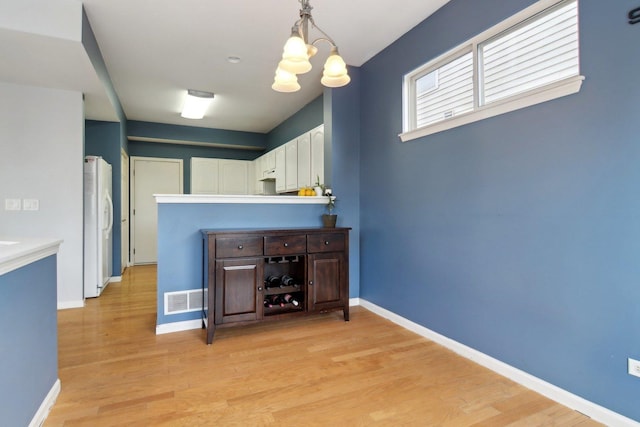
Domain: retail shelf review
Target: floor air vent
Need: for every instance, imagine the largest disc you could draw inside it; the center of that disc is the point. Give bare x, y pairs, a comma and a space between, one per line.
183, 301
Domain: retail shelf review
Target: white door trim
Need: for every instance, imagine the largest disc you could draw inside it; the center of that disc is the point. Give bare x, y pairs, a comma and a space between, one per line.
124, 209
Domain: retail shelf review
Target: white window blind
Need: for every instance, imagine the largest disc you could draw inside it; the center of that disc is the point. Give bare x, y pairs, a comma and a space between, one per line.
542, 50
453, 94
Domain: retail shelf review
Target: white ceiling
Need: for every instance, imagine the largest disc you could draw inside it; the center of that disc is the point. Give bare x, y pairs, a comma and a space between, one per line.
156, 49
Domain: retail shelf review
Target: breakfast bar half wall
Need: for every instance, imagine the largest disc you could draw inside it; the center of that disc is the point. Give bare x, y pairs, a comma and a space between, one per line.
180, 254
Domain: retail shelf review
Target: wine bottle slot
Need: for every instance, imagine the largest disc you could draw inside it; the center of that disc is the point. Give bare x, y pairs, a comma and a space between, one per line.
273, 282
290, 299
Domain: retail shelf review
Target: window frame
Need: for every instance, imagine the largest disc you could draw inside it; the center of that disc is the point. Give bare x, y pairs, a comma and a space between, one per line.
557, 89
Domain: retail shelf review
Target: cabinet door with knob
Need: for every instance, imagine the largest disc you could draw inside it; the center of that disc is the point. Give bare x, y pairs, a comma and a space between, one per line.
326, 278
327, 270
238, 291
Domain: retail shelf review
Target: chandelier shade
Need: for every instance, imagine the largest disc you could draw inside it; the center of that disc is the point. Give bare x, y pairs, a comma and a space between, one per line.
298, 50
285, 81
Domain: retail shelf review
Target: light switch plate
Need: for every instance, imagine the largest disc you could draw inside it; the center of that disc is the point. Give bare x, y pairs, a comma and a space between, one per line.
12, 205
30, 204
633, 367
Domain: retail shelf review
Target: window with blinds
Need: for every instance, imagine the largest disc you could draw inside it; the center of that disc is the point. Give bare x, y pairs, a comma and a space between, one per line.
542, 50
450, 94
529, 58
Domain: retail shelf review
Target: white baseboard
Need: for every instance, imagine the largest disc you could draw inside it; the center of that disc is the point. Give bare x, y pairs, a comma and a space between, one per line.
113, 279
354, 302
63, 305
185, 325
596, 412
45, 407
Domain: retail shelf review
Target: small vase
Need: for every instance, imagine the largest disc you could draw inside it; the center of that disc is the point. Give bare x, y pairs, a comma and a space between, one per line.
329, 220
318, 191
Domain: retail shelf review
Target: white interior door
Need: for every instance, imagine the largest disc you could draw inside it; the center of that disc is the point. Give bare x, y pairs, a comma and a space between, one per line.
150, 176
124, 210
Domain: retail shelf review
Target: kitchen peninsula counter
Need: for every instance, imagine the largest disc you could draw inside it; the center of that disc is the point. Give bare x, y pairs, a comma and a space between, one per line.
19, 252
241, 199
180, 250
28, 304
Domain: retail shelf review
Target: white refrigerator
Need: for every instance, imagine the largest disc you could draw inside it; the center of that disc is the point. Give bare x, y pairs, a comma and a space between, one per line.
98, 226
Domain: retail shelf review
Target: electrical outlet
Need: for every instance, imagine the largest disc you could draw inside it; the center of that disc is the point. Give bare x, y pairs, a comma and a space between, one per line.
634, 367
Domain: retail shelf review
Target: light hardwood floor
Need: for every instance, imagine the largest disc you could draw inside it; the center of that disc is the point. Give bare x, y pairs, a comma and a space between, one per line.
312, 371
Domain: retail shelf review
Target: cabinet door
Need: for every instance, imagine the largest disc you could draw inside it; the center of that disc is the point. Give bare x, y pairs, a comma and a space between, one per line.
317, 154
204, 176
304, 161
281, 167
233, 177
327, 279
269, 161
258, 167
291, 162
238, 290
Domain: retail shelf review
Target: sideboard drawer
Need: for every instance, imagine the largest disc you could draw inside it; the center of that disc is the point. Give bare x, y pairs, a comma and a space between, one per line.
326, 242
234, 247
285, 245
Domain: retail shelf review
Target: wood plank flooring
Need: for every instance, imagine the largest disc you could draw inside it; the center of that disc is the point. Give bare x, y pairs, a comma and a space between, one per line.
312, 371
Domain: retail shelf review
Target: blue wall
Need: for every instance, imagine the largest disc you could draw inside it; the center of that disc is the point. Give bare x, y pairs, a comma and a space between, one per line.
342, 130
518, 235
307, 118
28, 339
196, 134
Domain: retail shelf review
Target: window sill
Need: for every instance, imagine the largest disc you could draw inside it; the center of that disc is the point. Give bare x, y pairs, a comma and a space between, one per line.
536, 96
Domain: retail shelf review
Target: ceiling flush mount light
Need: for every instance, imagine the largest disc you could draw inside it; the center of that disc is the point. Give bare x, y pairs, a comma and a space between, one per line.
298, 50
196, 104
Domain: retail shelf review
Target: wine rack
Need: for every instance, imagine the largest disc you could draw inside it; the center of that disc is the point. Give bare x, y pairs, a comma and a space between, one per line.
284, 276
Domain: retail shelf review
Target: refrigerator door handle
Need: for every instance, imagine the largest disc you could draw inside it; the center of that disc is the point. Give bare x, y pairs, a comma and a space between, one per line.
110, 209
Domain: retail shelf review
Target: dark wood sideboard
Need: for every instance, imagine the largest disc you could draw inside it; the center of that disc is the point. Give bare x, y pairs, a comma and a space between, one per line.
259, 275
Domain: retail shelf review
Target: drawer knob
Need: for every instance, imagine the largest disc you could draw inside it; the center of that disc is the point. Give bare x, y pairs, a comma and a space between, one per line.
310, 282
326, 242
286, 245
240, 246
259, 288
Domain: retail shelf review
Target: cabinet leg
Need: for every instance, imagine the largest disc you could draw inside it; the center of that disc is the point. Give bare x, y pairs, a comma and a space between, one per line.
210, 332
345, 312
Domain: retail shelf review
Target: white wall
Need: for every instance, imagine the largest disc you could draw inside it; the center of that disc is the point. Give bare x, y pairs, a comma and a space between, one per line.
41, 157
52, 18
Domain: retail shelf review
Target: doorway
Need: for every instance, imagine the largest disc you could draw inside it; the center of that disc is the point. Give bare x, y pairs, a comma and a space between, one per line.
149, 176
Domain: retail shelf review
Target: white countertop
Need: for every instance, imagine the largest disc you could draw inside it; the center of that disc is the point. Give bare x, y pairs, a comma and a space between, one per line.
230, 199
16, 252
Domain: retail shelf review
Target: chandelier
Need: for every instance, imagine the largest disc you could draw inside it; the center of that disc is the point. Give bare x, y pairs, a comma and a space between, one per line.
298, 50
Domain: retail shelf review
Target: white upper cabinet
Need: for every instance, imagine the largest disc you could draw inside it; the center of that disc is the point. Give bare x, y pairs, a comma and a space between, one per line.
280, 158
221, 176
316, 137
291, 165
204, 176
234, 177
305, 179
269, 164
300, 162
257, 168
